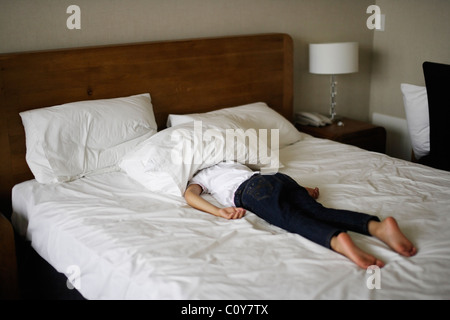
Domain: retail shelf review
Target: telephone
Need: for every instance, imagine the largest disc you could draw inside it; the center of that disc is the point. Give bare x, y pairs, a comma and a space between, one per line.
312, 119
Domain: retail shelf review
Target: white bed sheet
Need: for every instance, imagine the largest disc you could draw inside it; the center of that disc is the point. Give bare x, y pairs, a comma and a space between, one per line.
129, 243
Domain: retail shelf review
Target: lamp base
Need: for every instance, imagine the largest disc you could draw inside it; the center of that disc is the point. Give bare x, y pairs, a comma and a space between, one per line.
337, 120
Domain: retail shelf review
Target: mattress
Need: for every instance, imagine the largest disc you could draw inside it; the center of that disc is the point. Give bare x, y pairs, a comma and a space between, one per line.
116, 240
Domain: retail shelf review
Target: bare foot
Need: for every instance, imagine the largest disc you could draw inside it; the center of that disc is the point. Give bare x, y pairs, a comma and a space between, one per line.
389, 232
343, 244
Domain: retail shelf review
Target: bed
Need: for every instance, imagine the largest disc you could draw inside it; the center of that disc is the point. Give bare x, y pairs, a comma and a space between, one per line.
117, 225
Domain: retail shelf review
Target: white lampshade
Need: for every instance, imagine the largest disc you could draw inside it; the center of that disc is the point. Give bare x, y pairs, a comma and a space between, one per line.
333, 58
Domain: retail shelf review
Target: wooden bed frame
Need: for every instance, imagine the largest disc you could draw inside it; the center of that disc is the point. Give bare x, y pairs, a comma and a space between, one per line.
181, 76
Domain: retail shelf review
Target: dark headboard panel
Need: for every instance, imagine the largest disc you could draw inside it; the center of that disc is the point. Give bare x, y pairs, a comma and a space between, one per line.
181, 76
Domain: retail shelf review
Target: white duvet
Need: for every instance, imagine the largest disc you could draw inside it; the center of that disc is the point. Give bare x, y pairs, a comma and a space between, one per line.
116, 240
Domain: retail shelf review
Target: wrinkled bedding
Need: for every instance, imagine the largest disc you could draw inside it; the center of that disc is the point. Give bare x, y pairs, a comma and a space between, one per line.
126, 242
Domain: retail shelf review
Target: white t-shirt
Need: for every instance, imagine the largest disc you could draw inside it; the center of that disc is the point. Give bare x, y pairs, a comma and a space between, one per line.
222, 180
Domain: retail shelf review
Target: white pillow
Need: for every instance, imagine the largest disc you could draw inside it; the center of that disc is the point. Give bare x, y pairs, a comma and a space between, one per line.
415, 100
255, 115
168, 160
73, 140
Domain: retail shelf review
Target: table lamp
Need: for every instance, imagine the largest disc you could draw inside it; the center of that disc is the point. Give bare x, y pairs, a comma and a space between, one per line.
332, 59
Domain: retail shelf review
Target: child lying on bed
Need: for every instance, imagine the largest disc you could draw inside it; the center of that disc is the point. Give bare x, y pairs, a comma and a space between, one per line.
279, 200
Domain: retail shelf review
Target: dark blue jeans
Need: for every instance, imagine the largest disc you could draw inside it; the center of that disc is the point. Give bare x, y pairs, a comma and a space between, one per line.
281, 201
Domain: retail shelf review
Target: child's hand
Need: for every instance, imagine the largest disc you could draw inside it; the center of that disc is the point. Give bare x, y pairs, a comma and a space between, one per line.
232, 213
314, 193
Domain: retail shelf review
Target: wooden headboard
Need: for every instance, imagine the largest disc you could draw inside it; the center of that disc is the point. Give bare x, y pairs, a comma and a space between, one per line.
181, 76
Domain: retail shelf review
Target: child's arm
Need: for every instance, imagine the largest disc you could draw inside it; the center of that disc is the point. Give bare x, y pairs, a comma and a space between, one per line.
194, 199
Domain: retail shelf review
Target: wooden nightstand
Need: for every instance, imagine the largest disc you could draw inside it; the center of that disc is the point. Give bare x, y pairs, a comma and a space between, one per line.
9, 288
358, 133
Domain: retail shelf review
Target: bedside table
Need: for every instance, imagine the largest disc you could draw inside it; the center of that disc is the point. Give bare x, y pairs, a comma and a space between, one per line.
9, 288
357, 133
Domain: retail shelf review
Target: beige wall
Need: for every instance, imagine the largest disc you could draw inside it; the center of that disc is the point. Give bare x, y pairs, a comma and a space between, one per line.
416, 30
41, 24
